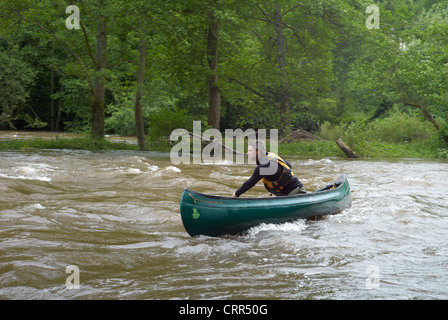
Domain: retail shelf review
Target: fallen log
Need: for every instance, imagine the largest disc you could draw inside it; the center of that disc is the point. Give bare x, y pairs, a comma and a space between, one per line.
206, 141
348, 152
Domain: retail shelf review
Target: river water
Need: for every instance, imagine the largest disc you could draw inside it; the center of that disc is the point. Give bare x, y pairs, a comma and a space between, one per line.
115, 217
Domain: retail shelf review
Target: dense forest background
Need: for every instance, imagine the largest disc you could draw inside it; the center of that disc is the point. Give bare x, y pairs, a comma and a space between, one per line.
147, 67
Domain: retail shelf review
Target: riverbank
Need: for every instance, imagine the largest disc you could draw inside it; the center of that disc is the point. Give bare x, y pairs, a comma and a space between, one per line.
366, 149
15, 140
76, 143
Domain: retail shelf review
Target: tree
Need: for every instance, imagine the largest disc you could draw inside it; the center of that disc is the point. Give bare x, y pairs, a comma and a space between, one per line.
214, 99
405, 65
139, 123
136, 18
100, 64
291, 54
197, 18
281, 56
45, 19
16, 77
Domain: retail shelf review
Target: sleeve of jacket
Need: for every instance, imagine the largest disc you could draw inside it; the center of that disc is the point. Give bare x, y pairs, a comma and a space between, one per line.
252, 181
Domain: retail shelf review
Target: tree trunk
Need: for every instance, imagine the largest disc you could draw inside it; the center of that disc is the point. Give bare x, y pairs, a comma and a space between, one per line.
212, 77
99, 85
348, 152
384, 106
52, 118
139, 125
58, 117
281, 54
426, 113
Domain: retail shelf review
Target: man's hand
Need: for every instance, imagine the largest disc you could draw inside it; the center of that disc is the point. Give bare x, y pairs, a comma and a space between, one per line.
234, 195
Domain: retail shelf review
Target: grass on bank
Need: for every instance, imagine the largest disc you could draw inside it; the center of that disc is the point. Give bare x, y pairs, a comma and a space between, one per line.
78, 143
366, 149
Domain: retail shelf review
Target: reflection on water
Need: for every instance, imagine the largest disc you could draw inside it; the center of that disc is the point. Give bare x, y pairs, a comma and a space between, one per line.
115, 215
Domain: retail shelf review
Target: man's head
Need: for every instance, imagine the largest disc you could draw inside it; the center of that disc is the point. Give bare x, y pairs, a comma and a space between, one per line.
255, 149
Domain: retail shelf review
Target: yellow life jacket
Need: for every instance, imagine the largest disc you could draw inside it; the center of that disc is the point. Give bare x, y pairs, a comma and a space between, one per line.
276, 187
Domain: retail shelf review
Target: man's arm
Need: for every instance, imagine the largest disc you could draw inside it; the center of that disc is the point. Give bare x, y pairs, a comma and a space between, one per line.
249, 183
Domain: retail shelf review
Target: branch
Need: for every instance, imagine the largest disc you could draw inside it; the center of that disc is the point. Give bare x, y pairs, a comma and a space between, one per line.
296, 34
290, 9
425, 112
86, 38
254, 91
83, 66
208, 141
88, 44
266, 48
265, 14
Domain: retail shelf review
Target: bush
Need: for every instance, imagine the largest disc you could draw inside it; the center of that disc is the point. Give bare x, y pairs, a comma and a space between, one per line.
331, 132
120, 114
443, 135
399, 135
163, 121
121, 120
397, 128
400, 128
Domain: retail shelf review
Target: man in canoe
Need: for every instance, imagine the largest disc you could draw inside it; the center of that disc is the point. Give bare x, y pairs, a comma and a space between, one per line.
276, 173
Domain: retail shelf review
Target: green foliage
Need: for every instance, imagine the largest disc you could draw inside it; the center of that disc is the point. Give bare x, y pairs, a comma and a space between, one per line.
403, 63
443, 134
66, 143
331, 132
398, 135
163, 121
378, 149
253, 114
442, 153
441, 145
401, 128
337, 74
397, 128
76, 107
120, 114
121, 120
16, 78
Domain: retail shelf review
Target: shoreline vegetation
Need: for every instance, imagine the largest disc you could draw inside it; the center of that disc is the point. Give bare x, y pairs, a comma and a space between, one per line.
375, 80
316, 148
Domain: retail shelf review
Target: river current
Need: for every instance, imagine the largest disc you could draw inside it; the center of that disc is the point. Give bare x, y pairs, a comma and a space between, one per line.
114, 216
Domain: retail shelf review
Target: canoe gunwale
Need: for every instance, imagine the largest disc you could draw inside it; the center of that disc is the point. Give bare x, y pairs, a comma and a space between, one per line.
340, 183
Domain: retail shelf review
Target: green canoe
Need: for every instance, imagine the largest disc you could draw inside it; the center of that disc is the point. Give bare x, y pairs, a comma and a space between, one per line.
217, 216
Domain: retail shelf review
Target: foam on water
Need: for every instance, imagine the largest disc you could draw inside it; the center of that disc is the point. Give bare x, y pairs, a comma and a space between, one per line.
287, 227
40, 172
173, 169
